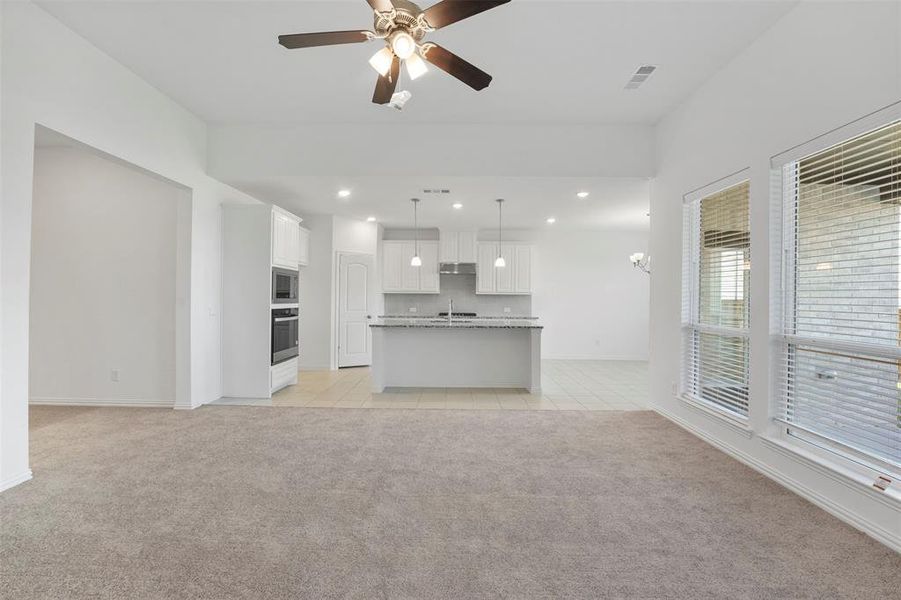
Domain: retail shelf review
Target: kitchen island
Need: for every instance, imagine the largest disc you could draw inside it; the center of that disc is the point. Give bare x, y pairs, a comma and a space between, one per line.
434, 352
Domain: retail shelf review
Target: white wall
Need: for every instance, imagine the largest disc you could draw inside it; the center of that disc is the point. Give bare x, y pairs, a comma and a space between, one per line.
103, 275
592, 301
315, 296
53, 77
247, 152
820, 67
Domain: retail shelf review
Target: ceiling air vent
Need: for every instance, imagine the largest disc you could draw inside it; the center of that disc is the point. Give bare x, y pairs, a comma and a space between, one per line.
640, 76
436, 191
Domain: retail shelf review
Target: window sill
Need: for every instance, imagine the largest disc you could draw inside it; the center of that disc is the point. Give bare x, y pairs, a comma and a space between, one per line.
734, 422
859, 480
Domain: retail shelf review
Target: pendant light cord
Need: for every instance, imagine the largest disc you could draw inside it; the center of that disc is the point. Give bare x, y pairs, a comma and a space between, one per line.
416, 225
500, 227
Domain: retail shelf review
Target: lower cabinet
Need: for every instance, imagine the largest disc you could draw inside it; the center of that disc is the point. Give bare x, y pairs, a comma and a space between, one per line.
514, 278
399, 277
283, 374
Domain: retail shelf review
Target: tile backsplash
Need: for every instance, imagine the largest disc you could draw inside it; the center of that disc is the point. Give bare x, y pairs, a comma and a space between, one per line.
462, 290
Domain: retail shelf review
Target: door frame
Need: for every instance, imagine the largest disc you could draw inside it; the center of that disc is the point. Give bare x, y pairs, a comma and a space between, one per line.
371, 292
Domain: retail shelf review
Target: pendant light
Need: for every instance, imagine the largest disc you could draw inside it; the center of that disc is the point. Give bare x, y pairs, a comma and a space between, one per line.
415, 261
500, 262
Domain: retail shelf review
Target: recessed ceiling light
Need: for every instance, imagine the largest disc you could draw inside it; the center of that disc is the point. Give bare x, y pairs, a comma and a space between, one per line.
551, 220
582, 194
343, 193
457, 205
370, 219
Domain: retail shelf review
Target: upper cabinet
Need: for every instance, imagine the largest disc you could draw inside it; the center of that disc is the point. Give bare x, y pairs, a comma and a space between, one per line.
457, 246
514, 278
286, 240
303, 255
399, 277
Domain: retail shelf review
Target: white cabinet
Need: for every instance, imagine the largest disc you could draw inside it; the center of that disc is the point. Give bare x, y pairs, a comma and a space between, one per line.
285, 240
514, 278
447, 247
522, 269
303, 254
466, 246
486, 279
457, 246
428, 273
399, 277
392, 267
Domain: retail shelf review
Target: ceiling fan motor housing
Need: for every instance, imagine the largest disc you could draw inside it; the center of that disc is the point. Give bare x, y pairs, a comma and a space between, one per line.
406, 16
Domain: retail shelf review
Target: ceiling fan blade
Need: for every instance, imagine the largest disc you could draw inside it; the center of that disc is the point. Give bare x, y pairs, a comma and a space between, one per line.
323, 38
384, 87
447, 12
452, 64
381, 5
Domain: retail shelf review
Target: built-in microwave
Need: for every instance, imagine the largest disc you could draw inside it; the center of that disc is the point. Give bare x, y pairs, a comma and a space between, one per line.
284, 286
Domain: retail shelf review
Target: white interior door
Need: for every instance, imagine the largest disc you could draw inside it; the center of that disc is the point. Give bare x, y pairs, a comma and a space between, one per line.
354, 309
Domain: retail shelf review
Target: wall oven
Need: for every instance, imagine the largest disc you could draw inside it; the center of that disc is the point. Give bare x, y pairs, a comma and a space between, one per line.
284, 286
285, 334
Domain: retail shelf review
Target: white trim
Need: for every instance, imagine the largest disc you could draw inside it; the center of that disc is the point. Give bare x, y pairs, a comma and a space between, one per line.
889, 538
853, 479
875, 120
114, 402
719, 185
15, 480
709, 409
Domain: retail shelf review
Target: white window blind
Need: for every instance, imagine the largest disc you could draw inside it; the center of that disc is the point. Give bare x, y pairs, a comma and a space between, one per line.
839, 362
715, 308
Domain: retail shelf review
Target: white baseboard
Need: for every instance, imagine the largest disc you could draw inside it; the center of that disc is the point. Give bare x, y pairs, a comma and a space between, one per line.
15, 480
875, 531
111, 402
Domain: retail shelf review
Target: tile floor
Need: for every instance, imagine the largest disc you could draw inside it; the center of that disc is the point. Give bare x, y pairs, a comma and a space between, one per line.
566, 385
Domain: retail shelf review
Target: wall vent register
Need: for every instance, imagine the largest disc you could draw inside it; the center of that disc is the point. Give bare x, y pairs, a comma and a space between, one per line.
640, 76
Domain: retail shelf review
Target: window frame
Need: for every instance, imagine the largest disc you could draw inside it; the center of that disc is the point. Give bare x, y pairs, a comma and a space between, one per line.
691, 327
834, 455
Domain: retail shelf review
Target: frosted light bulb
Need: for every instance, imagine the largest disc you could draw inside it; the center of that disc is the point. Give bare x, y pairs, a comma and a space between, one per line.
500, 262
416, 261
416, 66
381, 61
403, 45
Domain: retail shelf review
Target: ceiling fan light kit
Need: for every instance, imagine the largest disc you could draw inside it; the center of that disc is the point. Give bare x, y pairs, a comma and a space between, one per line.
403, 25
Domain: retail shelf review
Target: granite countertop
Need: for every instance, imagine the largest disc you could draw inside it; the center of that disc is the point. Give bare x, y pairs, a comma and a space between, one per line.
458, 323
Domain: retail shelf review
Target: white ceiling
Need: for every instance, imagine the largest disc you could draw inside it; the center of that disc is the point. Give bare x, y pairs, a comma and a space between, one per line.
559, 67
553, 61
613, 203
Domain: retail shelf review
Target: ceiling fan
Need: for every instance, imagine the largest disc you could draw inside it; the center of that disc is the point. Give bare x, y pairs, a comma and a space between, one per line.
403, 25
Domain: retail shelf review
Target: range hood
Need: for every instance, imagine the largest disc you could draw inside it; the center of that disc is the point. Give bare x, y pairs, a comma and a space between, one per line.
457, 268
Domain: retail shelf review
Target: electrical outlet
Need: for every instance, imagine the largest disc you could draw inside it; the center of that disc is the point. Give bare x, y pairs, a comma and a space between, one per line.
507, 309
114, 375
413, 309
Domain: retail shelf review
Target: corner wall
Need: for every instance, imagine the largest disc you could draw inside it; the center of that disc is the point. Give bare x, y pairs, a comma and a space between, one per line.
52, 77
821, 66
103, 282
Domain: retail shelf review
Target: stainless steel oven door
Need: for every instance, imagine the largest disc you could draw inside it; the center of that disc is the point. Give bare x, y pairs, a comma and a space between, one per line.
284, 286
285, 328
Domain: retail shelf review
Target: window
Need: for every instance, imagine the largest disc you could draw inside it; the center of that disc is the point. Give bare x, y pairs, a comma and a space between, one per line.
838, 367
715, 306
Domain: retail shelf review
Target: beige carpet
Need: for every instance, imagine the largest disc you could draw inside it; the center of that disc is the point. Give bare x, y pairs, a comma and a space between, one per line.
244, 502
